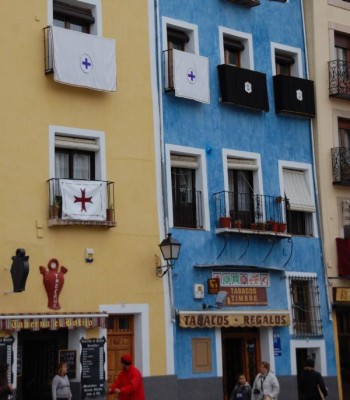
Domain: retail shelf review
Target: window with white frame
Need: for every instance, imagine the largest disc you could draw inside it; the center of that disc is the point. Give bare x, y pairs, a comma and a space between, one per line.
286, 60
187, 187
78, 15
236, 48
300, 202
345, 214
305, 306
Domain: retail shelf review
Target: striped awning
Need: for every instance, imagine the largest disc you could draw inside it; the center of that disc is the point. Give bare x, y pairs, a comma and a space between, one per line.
35, 322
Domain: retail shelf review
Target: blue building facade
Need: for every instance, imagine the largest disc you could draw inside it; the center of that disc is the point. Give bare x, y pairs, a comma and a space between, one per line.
240, 195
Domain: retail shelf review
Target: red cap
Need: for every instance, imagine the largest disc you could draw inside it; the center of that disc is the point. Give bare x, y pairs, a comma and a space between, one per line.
126, 359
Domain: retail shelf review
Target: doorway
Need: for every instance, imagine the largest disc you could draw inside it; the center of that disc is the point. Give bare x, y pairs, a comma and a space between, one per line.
39, 352
240, 355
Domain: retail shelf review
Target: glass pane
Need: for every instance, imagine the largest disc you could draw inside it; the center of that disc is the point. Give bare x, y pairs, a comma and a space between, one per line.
61, 165
81, 166
59, 23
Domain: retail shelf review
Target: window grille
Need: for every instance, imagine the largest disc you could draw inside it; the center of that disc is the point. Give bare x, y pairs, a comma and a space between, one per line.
306, 309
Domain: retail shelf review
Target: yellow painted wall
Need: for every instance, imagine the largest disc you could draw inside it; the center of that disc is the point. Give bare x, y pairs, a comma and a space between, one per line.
123, 269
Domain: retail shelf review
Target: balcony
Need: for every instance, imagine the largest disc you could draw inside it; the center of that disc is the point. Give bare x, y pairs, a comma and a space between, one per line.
294, 96
243, 87
339, 79
245, 3
79, 202
341, 166
250, 213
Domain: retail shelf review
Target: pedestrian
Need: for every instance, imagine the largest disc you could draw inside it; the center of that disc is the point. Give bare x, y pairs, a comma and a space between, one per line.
311, 384
129, 382
242, 390
6, 388
60, 383
266, 386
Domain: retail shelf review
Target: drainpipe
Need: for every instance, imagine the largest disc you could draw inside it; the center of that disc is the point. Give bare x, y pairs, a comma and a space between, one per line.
318, 204
161, 177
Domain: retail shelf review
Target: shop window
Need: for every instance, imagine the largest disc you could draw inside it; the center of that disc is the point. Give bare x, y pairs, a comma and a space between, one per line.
201, 355
306, 309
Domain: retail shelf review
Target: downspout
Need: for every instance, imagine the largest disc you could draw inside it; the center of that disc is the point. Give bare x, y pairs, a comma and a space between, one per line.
318, 204
163, 213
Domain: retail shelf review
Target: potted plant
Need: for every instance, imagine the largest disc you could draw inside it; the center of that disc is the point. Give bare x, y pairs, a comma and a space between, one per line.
238, 223
225, 222
282, 227
55, 208
110, 213
272, 225
278, 199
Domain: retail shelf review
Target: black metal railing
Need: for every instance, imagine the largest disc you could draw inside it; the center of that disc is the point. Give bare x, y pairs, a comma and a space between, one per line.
341, 165
339, 78
187, 209
251, 211
48, 50
55, 206
247, 3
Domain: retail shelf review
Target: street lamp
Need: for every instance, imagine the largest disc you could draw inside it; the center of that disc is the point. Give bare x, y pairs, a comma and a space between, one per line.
170, 249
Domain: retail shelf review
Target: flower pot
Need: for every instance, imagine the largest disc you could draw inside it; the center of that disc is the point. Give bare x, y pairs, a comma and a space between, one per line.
109, 214
225, 222
273, 226
253, 226
282, 227
54, 212
238, 224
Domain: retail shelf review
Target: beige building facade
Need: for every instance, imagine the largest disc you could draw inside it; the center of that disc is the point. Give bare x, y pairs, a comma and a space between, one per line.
79, 196
328, 45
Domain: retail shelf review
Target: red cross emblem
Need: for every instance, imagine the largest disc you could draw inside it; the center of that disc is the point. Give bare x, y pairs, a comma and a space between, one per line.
82, 200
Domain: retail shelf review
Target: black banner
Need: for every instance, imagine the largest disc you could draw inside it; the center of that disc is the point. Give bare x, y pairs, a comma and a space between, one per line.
92, 361
6, 354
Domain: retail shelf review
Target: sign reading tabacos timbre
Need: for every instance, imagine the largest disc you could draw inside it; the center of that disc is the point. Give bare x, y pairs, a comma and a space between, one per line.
220, 320
245, 296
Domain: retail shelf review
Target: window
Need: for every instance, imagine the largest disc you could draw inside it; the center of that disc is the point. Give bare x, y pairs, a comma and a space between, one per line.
72, 17
305, 303
284, 64
286, 60
233, 49
300, 204
342, 46
345, 212
187, 187
344, 132
186, 199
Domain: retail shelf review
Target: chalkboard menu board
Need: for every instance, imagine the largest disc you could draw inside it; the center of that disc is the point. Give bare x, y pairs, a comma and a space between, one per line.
92, 361
69, 357
6, 355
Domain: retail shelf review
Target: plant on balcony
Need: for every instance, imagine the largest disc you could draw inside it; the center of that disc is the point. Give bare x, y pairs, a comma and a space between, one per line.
110, 213
238, 224
272, 225
225, 222
55, 208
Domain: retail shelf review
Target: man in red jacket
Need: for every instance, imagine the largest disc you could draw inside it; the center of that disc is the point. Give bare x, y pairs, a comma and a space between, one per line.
129, 382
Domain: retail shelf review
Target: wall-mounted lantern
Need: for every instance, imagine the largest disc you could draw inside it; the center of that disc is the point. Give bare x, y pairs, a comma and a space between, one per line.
170, 249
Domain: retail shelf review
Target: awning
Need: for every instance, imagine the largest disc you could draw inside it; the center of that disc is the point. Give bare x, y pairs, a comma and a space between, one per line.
35, 322
225, 319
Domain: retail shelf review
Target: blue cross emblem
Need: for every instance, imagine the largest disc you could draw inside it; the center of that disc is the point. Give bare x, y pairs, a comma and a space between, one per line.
86, 63
191, 75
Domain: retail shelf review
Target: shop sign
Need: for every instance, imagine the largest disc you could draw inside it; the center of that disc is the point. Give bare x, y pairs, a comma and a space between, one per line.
213, 285
245, 296
222, 320
341, 295
256, 279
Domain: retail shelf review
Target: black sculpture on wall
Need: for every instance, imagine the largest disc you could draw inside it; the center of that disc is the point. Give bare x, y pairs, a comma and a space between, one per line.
19, 270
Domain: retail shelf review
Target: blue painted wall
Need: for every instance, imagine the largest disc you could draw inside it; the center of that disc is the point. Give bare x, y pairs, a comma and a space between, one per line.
274, 137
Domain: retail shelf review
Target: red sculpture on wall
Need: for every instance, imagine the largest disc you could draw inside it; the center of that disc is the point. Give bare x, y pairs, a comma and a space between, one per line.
53, 279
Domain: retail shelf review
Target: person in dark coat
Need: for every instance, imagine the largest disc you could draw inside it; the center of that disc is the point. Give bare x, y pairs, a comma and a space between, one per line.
242, 391
5, 388
311, 382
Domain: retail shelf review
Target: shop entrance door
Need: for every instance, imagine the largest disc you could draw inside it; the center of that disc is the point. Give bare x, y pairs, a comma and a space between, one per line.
240, 354
120, 340
39, 352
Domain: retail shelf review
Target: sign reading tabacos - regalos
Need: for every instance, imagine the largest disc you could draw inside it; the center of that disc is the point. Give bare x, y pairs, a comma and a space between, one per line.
341, 295
224, 320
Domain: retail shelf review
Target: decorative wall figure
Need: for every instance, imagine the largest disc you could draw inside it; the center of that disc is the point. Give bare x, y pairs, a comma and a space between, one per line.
53, 279
19, 270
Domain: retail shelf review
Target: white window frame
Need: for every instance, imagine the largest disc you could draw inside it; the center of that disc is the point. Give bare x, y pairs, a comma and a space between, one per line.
141, 331
339, 3
98, 136
247, 59
332, 28
307, 169
296, 68
337, 113
93, 5
201, 180
257, 175
191, 31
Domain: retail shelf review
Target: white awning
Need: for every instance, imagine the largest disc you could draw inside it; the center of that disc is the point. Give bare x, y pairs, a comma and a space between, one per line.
297, 191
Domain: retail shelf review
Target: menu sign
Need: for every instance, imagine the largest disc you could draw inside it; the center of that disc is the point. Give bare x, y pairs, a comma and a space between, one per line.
92, 361
6, 354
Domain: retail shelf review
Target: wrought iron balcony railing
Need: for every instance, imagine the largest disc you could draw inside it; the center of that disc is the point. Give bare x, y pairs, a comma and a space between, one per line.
79, 202
341, 165
251, 211
339, 79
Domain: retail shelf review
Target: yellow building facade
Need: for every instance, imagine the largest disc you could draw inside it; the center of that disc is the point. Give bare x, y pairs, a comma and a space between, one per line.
328, 45
77, 128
